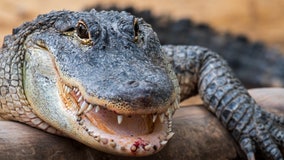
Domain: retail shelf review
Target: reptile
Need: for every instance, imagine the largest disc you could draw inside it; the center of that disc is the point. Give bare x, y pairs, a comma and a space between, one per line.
103, 79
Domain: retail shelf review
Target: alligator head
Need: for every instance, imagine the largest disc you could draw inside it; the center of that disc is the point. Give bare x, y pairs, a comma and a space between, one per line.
102, 78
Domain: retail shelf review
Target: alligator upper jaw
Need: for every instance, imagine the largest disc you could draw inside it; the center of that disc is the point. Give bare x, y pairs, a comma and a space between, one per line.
128, 134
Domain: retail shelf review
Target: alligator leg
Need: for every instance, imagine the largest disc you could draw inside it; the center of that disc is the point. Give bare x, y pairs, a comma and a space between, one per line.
202, 71
275, 129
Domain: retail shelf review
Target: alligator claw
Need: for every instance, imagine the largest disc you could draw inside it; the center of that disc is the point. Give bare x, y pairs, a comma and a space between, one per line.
248, 147
250, 156
267, 134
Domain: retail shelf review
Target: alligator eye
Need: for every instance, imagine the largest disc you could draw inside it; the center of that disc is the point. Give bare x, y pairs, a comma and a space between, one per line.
136, 29
82, 30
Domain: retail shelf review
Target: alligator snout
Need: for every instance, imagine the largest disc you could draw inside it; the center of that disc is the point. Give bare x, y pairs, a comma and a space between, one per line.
140, 93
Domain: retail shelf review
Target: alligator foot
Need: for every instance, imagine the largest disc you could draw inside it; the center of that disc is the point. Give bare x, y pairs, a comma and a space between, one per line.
267, 133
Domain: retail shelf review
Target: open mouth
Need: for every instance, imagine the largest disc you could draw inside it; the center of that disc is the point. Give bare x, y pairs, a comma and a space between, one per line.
129, 133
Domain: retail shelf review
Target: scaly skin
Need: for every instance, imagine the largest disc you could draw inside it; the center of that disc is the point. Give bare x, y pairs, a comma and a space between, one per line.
200, 70
103, 79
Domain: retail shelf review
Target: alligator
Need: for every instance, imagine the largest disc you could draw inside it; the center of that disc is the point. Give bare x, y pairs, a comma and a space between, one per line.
103, 79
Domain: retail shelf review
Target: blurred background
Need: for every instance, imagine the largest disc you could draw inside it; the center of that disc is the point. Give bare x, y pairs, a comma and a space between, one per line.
258, 19
247, 33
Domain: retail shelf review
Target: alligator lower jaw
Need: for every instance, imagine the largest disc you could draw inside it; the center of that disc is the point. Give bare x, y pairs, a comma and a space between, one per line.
132, 134
123, 141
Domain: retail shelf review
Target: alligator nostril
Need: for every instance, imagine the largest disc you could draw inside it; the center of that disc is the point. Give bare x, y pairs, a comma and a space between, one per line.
133, 83
141, 93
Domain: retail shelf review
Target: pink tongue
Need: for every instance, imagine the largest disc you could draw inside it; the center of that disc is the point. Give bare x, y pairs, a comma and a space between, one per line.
134, 125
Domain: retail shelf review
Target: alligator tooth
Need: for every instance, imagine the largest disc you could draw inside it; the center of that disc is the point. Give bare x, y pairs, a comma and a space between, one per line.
119, 119
81, 122
176, 105
169, 113
90, 107
148, 147
78, 93
75, 89
79, 119
80, 99
170, 135
163, 143
64, 87
67, 89
112, 144
83, 107
133, 148
170, 129
162, 116
154, 117
91, 133
97, 109
97, 138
